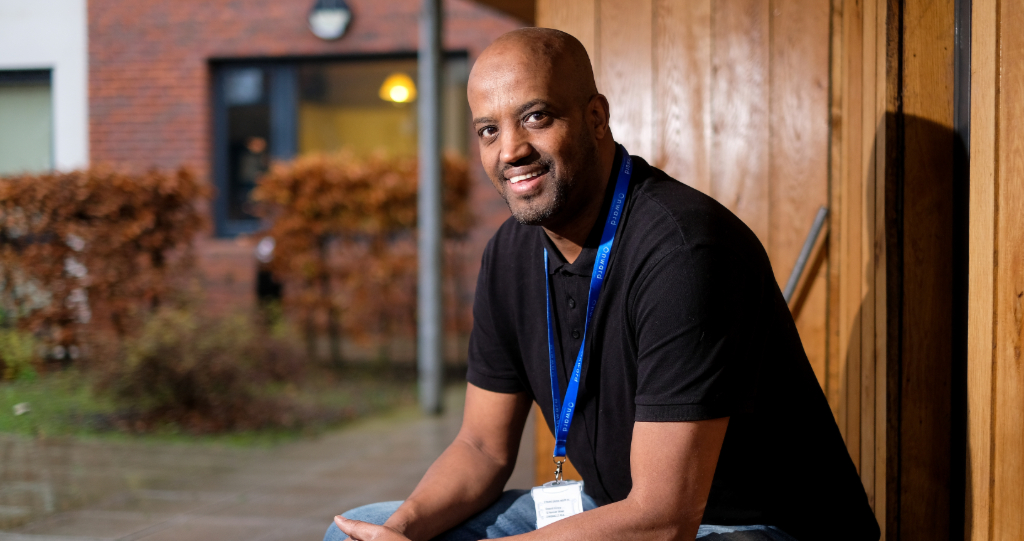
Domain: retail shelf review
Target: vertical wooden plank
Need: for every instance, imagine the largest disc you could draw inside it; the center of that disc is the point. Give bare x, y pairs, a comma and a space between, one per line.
852, 195
811, 322
869, 127
926, 357
682, 90
980, 322
1008, 445
798, 163
740, 129
626, 54
577, 17
837, 108
798, 160
893, 273
881, 288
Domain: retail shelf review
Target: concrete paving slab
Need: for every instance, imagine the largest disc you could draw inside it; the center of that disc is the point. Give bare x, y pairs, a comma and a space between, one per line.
182, 492
91, 524
195, 531
314, 533
4, 536
277, 506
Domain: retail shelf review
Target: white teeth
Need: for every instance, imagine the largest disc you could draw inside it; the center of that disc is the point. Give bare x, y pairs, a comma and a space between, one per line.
516, 179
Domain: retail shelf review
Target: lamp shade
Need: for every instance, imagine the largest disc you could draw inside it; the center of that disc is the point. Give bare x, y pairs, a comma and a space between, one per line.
328, 19
399, 88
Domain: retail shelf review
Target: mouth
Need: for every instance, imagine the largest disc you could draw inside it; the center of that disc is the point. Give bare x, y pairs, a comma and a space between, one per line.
526, 182
527, 176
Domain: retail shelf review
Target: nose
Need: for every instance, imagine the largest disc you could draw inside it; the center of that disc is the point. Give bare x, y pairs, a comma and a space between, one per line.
515, 146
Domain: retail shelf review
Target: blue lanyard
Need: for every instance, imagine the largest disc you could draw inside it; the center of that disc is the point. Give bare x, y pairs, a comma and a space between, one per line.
563, 412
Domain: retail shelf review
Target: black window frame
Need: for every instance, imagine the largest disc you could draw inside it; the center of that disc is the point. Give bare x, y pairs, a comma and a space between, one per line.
282, 97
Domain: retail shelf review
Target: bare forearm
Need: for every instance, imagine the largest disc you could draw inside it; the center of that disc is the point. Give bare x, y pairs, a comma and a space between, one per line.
463, 481
672, 465
629, 519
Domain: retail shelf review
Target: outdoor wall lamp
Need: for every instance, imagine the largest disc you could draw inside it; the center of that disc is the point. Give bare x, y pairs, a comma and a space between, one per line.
399, 88
329, 18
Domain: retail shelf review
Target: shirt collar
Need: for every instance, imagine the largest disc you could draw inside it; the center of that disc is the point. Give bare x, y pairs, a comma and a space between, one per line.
584, 264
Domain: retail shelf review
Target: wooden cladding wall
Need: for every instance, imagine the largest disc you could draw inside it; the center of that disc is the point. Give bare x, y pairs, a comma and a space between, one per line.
891, 322
857, 264
732, 98
775, 107
995, 497
894, 156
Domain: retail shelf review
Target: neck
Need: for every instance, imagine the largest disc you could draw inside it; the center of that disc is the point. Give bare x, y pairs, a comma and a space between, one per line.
570, 234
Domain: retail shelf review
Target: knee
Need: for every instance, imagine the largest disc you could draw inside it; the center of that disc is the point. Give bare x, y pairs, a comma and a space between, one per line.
375, 513
334, 534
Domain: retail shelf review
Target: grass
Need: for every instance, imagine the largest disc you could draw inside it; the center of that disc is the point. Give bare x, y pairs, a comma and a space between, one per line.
58, 403
64, 404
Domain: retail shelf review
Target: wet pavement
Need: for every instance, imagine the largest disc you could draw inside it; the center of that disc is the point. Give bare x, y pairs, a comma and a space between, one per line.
84, 491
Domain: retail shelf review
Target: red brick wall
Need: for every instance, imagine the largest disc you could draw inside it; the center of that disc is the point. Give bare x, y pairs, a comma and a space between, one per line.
149, 85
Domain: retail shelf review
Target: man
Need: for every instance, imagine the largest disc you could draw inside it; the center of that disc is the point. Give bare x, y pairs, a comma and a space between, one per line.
689, 405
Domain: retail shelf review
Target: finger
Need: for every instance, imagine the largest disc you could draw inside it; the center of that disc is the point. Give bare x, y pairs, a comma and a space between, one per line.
356, 529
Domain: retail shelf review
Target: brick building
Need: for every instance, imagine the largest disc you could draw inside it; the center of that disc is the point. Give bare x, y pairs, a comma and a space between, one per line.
210, 84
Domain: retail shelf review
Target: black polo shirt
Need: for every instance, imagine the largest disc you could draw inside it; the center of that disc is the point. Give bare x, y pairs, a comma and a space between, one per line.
690, 325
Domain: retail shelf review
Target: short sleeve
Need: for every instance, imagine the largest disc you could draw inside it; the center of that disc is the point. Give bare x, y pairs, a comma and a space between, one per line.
493, 350
695, 337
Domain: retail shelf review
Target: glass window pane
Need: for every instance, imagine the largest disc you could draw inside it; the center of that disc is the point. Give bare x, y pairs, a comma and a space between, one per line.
248, 111
26, 124
243, 86
340, 106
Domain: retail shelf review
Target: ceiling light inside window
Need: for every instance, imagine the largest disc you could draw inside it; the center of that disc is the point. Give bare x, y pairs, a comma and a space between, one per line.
399, 88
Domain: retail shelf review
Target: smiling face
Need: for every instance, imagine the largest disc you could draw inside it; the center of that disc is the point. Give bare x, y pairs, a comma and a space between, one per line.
539, 125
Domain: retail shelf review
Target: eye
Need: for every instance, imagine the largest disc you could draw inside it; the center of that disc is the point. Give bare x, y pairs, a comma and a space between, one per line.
487, 131
536, 116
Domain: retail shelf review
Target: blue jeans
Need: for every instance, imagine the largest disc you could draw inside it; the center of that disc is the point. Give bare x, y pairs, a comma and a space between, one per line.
514, 514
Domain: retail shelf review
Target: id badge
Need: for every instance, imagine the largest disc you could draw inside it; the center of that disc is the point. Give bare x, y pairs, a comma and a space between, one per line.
556, 500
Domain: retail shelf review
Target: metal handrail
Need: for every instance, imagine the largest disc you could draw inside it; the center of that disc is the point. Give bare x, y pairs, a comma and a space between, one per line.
805, 253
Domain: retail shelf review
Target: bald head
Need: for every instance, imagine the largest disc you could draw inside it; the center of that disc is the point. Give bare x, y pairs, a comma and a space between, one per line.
541, 125
542, 53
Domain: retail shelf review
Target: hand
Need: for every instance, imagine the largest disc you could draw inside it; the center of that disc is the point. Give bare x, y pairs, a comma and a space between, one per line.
364, 531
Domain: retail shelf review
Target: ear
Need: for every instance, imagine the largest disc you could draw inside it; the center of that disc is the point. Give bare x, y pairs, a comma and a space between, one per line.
597, 115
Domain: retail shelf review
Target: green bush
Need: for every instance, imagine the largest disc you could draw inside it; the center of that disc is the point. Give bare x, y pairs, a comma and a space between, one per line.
201, 373
17, 353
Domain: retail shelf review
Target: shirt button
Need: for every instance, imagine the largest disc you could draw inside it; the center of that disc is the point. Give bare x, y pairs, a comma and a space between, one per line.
576, 334
572, 303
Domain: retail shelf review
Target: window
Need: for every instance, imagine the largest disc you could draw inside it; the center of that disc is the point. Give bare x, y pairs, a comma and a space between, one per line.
340, 106
26, 122
277, 110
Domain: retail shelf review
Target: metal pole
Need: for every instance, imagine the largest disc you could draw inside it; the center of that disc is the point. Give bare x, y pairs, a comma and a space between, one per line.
430, 325
805, 253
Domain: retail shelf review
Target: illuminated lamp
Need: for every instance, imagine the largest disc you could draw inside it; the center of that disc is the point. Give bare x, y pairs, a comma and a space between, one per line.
399, 88
329, 18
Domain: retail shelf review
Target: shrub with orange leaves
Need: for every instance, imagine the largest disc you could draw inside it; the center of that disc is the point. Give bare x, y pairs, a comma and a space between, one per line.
92, 247
344, 232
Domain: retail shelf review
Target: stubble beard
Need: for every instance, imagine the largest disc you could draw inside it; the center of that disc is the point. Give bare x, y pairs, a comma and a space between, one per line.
562, 182
537, 209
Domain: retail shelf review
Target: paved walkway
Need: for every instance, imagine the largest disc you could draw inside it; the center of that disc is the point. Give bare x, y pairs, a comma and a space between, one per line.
289, 492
